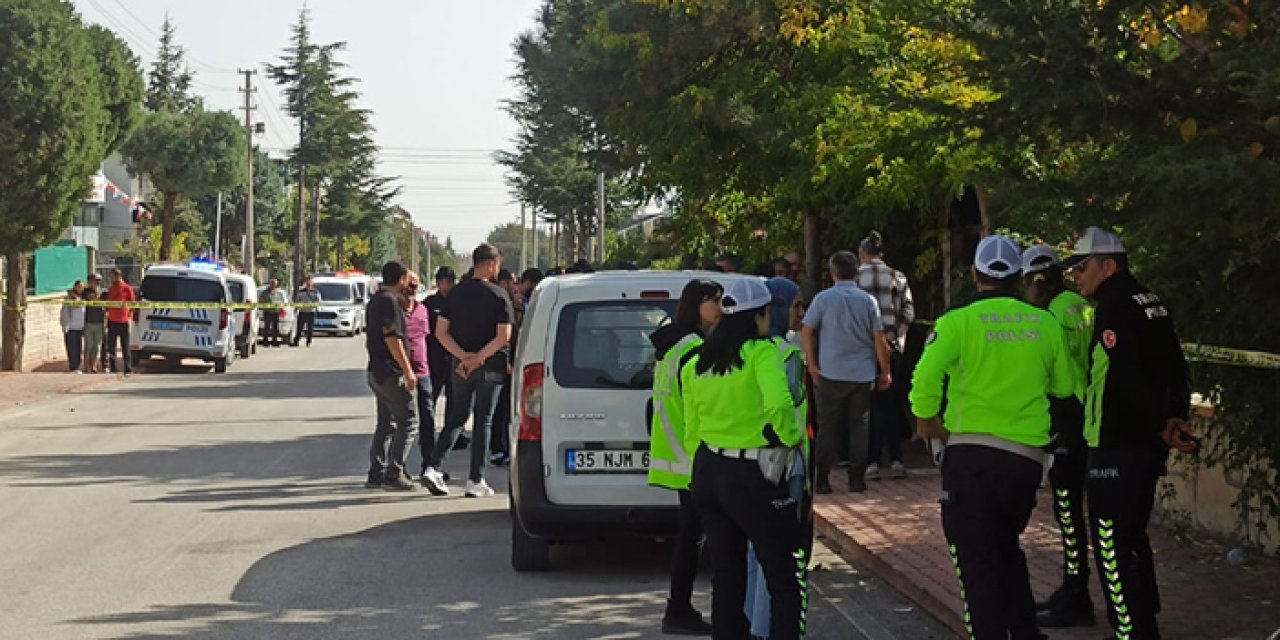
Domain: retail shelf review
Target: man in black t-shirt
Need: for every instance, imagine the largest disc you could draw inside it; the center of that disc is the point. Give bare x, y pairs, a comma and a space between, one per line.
475, 328
437, 357
392, 380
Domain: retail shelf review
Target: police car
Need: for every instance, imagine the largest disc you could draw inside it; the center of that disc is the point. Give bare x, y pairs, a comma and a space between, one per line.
583, 378
342, 301
208, 334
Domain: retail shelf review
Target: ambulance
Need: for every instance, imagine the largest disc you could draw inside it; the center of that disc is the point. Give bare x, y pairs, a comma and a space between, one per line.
206, 333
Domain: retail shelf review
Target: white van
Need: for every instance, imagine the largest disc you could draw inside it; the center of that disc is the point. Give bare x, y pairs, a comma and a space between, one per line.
582, 383
341, 305
207, 334
245, 290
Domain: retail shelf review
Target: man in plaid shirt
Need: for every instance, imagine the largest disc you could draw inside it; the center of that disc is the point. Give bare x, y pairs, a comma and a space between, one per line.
897, 311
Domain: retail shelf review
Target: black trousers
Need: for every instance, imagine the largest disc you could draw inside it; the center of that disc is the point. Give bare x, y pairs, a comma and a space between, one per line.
1067, 476
426, 418
271, 326
1122, 492
888, 415
441, 373
118, 332
684, 562
306, 322
74, 340
738, 505
987, 499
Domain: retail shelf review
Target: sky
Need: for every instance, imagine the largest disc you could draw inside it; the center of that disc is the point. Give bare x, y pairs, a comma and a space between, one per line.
434, 73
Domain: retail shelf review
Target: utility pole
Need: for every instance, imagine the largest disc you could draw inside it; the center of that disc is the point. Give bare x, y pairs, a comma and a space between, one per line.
315, 263
428, 274
534, 264
300, 250
524, 240
248, 203
600, 215
217, 230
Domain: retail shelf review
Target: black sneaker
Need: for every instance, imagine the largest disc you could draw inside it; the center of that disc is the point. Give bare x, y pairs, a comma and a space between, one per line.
462, 442
499, 460
1074, 608
686, 622
399, 482
822, 488
373, 482
857, 485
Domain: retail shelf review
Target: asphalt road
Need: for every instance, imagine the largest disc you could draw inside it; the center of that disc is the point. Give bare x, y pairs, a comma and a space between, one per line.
184, 504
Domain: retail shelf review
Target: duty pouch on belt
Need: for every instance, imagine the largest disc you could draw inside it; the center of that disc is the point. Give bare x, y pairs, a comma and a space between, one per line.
774, 463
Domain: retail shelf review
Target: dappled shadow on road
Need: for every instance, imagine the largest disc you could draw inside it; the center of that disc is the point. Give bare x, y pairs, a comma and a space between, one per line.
249, 385
181, 423
416, 579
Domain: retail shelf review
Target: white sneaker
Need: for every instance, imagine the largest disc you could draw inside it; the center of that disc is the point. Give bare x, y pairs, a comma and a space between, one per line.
898, 471
433, 480
478, 489
872, 472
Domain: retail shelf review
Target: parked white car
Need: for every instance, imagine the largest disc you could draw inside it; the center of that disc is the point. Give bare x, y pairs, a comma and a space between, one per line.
582, 380
175, 333
245, 290
341, 305
288, 317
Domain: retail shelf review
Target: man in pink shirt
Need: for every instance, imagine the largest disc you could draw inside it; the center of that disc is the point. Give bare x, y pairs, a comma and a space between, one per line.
417, 326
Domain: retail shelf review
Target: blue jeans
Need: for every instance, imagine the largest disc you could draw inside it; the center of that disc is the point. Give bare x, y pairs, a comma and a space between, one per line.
395, 405
476, 395
426, 418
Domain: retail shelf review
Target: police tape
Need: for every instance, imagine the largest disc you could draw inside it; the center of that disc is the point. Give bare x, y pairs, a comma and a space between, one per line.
148, 305
1235, 357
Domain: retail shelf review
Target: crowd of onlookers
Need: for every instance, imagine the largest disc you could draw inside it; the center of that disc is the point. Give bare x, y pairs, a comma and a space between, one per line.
97, 335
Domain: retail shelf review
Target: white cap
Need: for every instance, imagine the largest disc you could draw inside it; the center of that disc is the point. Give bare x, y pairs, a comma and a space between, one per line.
745, 294
1095, 241
998, 257
1039, 258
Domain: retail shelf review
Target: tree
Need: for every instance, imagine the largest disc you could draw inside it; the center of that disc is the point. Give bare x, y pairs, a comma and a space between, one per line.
169, 81
55, 113
191, 154
507, 237
120, 85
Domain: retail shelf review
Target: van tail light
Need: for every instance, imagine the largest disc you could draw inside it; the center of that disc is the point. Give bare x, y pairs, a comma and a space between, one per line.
224, 319
283, 314
531, 403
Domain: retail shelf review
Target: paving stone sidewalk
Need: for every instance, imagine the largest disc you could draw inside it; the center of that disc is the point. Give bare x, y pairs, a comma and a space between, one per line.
895, 529
46, 381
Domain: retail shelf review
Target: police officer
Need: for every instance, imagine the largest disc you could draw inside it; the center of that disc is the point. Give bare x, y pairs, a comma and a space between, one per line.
306, 301
1004, 358
1070, 605
1136, 407
669, 465
740, 418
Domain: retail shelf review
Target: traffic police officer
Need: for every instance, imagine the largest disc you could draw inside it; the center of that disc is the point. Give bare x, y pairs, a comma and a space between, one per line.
669, 465
740, 418
1136, 407
1004, 358
1070, 605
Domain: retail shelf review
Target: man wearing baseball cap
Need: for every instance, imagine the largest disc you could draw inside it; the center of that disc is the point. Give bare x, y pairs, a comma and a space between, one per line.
1004, 358
1136, 406
1045, 287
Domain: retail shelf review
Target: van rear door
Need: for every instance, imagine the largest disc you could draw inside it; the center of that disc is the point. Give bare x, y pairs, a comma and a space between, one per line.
191, 329
599, 380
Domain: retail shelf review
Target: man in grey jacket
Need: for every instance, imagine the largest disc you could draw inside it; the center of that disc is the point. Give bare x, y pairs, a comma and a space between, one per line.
307, 295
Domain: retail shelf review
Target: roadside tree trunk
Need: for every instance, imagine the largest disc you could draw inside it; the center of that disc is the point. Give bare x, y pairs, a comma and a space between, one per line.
168, 216
15, 321
944, 232
812, 254
342, 252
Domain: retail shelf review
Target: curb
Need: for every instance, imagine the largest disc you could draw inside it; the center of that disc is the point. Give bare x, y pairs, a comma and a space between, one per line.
92, 382
921, 596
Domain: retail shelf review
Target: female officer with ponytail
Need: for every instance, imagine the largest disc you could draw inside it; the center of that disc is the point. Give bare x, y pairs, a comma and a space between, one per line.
669, 463
740, 418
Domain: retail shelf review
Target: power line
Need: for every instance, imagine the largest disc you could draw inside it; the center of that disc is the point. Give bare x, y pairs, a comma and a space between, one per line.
157, 36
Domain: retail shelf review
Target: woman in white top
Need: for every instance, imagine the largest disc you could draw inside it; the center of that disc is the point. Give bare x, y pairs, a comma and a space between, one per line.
72, 321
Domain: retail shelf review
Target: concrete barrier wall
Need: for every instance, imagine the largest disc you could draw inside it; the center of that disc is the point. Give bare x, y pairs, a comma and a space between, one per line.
44, 332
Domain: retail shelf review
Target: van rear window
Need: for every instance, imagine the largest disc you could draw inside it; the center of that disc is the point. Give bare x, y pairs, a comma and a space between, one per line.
171, 289
237, 290
605, 345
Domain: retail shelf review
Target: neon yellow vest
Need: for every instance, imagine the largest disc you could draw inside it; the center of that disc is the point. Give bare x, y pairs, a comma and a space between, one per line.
669, 463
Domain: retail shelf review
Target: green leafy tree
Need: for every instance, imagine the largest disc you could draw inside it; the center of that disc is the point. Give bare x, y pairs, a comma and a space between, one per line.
169, 81
55, 112
191, 154
507, 237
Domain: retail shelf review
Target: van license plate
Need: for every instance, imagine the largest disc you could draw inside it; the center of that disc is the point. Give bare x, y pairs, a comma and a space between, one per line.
161, 325
606, 461
196, 328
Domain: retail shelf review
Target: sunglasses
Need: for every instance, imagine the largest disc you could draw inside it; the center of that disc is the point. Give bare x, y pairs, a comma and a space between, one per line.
412, 287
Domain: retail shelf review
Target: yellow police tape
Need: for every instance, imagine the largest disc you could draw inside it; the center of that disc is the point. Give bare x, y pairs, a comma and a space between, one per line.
144, 305
1236, 357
